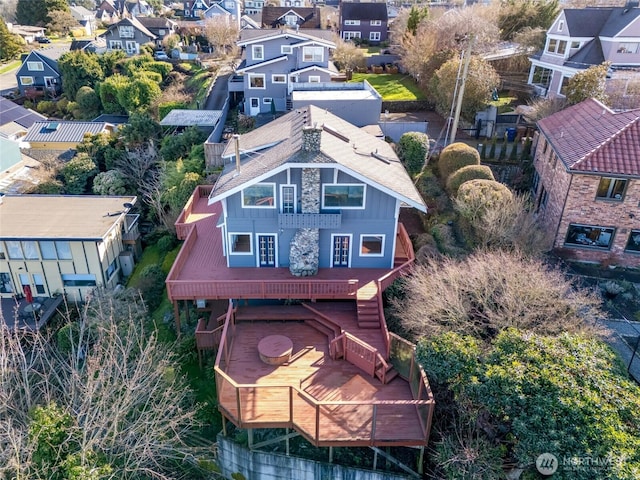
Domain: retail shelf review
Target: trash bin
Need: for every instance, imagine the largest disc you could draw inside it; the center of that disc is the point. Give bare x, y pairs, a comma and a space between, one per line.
511, 134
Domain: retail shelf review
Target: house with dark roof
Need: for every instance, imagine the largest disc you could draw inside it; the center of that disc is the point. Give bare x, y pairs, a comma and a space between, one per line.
229, 9
306, 208
39, 74
586, 184
581, 38
84, 17
110, 11
129, 34
161, 27
15, 120
367, 21
276, 59
291, 17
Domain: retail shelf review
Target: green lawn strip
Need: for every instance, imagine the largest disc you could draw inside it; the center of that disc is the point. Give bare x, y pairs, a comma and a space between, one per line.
504, 103
10, 66
371, 51
392, 86
150, 256
199, 83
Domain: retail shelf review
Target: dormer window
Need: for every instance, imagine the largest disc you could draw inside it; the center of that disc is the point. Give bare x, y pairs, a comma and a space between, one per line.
35, 66
291, 19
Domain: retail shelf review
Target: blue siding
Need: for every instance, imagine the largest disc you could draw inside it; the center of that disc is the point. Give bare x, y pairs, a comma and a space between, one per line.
378, 218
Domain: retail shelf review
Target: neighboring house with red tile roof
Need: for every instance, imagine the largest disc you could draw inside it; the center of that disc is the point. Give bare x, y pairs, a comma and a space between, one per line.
586, 184
582, 38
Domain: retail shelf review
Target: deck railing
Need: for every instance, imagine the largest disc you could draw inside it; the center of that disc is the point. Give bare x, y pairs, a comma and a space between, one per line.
265, 289
407, 247
403, 358
320, 421
182, 227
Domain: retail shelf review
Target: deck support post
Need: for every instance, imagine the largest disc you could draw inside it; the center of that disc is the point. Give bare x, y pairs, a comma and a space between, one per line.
176, 315
375, 460
330, 454
186, 311
250, 438
224, 425
421, 461
287, 442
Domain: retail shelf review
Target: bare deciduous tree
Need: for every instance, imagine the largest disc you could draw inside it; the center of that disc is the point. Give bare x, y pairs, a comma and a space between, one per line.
117, 385
491, 291
221, 33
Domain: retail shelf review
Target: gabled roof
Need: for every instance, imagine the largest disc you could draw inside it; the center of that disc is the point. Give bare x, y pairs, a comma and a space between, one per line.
590, 54
52, 53
80, 13
12, 112
591, 138
156, 22
242, 68
133, 22
619, 19
61, 131
277, 146
273, 17
585, 22
363, 11
247, 37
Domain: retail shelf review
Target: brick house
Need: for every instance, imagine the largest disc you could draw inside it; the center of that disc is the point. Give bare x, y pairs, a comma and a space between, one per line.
587, 183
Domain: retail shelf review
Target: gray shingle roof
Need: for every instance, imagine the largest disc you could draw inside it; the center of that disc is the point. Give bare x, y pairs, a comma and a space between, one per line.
363, 11
59, 131
586, 22
280, 142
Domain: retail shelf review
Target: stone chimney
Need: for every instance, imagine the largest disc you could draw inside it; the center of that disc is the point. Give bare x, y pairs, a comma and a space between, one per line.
311, 139
304, 251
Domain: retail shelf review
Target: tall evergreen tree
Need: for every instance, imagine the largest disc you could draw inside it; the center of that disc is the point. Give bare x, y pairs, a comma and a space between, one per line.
36, 12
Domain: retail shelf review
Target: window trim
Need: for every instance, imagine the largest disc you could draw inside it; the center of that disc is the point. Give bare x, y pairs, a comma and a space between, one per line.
286, 49
337, 207
273, 190
250, 76
313, 79
352, 22
376, 23
613, 181
283, 75
230, 242
382, 245
313, 48
589, 245
34, 66
267, 100
350, 34
254, 49
295, 197
26, 81
375, 34
623, 50
88, 280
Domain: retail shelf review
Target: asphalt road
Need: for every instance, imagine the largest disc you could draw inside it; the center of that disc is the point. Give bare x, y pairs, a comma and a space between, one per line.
8, 81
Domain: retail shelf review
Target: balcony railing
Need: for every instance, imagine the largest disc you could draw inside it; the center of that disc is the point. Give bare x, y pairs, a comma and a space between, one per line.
309, 220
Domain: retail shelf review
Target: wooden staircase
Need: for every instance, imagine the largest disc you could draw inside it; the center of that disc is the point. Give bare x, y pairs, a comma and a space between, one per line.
367, 301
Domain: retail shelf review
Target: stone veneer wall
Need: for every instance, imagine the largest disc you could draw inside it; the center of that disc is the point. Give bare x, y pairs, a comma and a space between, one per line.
572, 199
304, 250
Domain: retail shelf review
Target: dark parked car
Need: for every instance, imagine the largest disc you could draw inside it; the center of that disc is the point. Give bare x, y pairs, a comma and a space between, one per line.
43, 40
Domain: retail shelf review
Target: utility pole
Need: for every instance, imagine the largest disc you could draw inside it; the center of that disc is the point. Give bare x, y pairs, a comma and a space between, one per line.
463, 79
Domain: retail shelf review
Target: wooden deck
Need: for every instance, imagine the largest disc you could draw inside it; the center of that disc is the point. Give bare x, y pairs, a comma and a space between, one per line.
330, 402
200, 269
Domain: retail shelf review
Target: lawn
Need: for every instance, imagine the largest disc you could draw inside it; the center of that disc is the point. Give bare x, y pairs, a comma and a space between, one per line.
392, 86
10, 66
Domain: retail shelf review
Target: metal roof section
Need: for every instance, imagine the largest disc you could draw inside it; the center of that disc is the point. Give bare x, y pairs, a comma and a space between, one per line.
186, 118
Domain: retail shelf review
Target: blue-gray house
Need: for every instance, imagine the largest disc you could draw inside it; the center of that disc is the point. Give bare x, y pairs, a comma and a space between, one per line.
276, 59
310, 190
39, 72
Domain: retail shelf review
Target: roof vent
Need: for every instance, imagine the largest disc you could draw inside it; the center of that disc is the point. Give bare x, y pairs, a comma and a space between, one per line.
52, 126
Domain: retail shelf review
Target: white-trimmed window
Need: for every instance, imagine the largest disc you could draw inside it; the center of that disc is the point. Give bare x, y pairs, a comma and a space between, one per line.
26, 81
126, 31
286, 49
611, 188
35, 66
352, 22
314, 78
557, 46
376, 23
628, 48
374, 36
25, 250
575, 44
343, 195
260, 195
115, 44
372, 245
256, 81
279, 78
257, 52
590, 236
132, 47
312, 54
351, 35
240, 243
291, 19
288, 198
78, 280
267, 100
